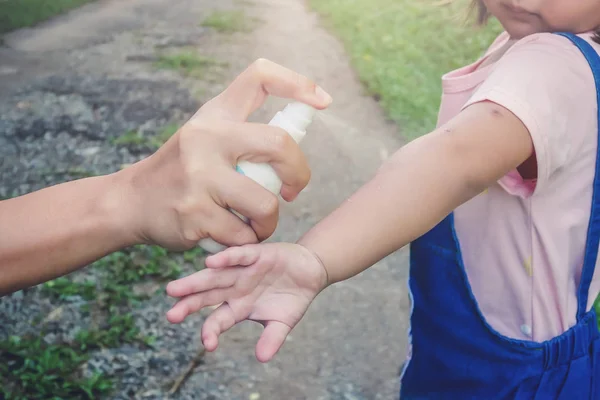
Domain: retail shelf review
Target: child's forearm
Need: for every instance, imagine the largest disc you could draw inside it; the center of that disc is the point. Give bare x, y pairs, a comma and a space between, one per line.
417, 188
52, 232
407, 197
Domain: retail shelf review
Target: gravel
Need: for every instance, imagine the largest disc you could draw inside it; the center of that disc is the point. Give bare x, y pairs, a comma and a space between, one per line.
61, 128
68, 88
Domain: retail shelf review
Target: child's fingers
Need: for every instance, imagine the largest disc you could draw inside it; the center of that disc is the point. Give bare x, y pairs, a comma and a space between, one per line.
219, 321
234, 256
195, 302
271, 340
202, 281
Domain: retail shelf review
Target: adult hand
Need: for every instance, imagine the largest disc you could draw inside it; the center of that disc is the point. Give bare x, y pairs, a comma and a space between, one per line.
174, 198
183, 192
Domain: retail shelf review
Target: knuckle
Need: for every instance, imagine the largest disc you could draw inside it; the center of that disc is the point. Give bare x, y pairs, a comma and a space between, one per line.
304, 84
269, 206
191, 235
200, 136
280, 141
195, 126
189, 212
186, 134
214, 132
302, 172
213, 128
304, 177
184, 209
298, 172
242, 235
260, 66
190, 207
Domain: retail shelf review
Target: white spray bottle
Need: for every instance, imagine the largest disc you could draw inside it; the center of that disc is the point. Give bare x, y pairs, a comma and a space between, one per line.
294, 119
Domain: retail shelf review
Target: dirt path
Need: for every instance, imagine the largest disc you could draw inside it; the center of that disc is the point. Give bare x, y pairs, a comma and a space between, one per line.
351, 343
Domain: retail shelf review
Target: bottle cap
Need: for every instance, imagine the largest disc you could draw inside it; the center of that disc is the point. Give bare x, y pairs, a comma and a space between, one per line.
299, 114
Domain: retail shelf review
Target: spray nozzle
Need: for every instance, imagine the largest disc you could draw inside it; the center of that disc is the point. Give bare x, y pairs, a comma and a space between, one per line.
299, 114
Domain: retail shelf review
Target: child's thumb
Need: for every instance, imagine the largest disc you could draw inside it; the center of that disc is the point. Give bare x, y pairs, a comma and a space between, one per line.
271, 340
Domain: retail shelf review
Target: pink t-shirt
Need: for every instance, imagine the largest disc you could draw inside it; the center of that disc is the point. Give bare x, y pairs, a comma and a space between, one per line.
523, 241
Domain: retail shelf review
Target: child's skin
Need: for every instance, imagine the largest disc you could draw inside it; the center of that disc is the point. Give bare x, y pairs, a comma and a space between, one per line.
421, 184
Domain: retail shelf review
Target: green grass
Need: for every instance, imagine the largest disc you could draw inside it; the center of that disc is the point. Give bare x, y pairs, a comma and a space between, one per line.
130, 138
597, 308
67, 174
135, 138
32, 369
187, 63
192, 255
138, 264
401, 48
117, 330
228, 21
63, 288
16, 14
164, 134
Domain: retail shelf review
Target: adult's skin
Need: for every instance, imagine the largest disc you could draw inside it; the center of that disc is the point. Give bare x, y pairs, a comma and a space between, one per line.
174, 198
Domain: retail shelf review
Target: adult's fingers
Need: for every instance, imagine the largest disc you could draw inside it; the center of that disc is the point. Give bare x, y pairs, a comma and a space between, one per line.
252, 201
219, 321
226, 228
261, 79
260, 143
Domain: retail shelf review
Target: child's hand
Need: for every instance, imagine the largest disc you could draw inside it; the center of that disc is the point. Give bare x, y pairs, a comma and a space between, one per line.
272, 284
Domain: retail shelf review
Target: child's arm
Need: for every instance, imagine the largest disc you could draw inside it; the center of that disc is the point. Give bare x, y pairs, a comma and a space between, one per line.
421, 185
418, 187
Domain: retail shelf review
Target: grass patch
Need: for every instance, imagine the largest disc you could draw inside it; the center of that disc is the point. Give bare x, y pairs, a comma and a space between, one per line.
164, 134
63, 288
118, 329
130, 138
192, 255
32, 369
136, 139
16, 14
228, 21
138, 264
186, 63
68, 174
597, 308
401, 48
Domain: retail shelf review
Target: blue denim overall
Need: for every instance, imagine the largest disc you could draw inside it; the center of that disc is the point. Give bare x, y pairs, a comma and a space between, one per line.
456, 354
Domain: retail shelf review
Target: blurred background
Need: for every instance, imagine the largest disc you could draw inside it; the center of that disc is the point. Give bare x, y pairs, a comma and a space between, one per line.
89, 87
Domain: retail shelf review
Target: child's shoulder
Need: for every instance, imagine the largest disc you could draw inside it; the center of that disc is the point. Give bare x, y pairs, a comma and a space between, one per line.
543, 58
544, 45
546, 81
